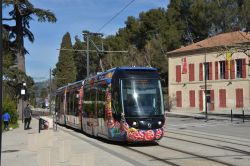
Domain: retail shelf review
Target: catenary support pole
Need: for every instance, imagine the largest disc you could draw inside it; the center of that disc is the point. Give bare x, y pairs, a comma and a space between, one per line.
231, 115
87, 55
50, 90
243, 116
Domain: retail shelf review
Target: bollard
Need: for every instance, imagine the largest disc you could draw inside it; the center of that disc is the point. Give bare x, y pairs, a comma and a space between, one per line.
243, 116
56, 123
231, 115
39, 125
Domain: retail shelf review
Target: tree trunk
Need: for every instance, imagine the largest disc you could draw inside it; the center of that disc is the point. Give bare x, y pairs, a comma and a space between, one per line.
19, 54
19, 40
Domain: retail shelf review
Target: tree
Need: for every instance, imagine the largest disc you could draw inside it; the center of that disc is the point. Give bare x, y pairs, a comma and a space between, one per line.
44, 93
22, 12
65, 71
80, 59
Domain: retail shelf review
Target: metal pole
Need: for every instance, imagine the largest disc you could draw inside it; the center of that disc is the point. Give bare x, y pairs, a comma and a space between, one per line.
206, 67
87, 55
231, 115
50, 90
243, 116
56, 120
39, 125
22, 107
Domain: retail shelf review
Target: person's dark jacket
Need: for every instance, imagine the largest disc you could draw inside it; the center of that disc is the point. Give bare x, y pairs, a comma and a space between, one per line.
27, 112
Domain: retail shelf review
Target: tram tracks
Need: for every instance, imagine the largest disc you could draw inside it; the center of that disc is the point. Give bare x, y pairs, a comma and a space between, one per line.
206, 137
163, 158
198, 156
213, 146
174, 161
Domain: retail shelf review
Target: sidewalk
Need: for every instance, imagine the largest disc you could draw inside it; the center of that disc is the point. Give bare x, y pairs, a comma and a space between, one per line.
30, 148
63, 147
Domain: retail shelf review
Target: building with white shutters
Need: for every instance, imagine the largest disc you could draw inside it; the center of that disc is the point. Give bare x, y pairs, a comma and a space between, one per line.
219, 64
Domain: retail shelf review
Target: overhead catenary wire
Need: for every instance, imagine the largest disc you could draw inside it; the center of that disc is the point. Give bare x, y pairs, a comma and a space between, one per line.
112, 18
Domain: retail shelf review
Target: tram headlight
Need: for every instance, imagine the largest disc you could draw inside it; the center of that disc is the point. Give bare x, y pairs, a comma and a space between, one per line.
159, 123
134, 123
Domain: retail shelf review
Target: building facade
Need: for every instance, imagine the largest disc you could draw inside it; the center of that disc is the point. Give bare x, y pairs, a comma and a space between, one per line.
215, 70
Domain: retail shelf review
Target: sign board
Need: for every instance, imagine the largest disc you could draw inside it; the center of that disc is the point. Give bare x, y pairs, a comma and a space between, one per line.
22, 91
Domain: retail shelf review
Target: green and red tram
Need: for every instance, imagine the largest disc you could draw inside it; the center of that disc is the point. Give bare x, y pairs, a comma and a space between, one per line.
121, 104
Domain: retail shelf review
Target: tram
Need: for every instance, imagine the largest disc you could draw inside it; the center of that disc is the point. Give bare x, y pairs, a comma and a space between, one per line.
121, 104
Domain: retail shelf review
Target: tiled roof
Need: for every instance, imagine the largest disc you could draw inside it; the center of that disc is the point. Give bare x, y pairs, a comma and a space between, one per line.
224, 39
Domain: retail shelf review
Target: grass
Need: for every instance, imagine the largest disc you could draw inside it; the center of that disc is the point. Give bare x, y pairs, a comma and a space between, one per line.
12, 125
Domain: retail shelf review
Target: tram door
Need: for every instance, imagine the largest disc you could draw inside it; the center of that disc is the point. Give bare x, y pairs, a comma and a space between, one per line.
210, 100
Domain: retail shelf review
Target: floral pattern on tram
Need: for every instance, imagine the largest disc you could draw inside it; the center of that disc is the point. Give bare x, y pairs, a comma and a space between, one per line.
124, 132
144, 135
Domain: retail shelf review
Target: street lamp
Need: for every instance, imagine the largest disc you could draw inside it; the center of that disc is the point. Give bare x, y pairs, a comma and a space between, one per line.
205, 75
23, 93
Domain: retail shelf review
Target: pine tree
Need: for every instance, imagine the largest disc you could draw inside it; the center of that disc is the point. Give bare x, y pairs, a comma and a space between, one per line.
22, 12
80, 59
65, 71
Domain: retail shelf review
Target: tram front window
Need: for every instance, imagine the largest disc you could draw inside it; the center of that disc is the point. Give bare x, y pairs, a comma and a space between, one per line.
141, 97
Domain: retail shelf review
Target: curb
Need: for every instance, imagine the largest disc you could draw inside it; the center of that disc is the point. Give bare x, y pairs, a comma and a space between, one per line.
210, 116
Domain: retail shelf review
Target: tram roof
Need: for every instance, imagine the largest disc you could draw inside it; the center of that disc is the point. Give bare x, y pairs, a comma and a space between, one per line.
69, 84
123, 68
128, 68
109, 71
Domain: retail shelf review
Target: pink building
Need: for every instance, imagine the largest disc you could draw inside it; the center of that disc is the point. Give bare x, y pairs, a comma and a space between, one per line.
219, 64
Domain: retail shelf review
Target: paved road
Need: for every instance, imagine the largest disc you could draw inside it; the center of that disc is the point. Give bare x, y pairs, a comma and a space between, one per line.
187, 141
215, 126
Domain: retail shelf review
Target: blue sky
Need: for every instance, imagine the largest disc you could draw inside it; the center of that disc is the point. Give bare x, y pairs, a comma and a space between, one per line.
73, 17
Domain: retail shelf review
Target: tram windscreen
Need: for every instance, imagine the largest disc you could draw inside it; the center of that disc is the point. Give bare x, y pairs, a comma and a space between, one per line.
141, 97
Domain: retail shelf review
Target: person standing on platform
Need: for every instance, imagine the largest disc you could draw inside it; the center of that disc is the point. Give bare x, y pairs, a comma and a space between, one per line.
27, 117
6, 120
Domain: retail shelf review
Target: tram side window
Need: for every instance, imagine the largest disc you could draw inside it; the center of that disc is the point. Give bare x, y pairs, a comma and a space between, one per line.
101, 102
71, 103
86, 101
93, 100
57, 103
68, 102
61, 107
76, 99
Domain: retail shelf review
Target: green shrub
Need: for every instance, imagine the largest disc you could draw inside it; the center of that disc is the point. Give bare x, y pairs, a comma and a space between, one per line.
10, 106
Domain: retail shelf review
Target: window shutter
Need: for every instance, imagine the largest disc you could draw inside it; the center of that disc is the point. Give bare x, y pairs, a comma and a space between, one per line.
244, 68
178, 73
192, 98
191, 72
232, 70
222, 98
226, 70
210, 74
212, 100
201, 72
216, 70
201, 100
242, 100
178, 99
239, 98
